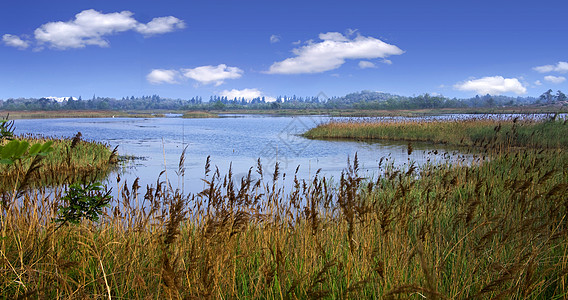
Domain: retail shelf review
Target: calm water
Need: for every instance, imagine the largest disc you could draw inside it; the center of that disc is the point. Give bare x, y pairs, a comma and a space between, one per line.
236, 140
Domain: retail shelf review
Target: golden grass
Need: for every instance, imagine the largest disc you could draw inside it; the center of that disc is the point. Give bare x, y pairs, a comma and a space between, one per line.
496, 229
547, 133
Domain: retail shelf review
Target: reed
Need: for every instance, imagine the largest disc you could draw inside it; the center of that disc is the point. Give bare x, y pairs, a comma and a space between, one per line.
495, 229
72, 160
550, 132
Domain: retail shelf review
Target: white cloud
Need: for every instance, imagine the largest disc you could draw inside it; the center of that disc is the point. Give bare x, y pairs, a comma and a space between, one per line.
160, 25
331, 53
213, 74
538, 82
333, 36
561, 67
15, 41
366, 64
351, 32
297, 42
495, 85
248, 94
387, 61
274, 38
90, 28
158, 76
555, 79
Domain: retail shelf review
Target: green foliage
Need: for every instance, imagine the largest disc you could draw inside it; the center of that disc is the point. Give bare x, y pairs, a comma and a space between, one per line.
363, 100
18, 150
83, 202
6, 129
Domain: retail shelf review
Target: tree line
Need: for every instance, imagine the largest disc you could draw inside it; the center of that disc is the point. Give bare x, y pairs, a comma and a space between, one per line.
358, 100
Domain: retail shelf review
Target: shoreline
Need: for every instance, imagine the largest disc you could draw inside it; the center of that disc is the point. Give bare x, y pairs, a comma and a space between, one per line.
280, 112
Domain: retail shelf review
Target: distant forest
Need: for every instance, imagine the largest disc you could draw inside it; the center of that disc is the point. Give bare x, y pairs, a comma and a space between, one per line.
358, 100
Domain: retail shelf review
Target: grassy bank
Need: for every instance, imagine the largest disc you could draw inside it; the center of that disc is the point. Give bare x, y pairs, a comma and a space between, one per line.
199, 114
513, 132
71, 160
495, 229
352, 112
532, 109
56, 114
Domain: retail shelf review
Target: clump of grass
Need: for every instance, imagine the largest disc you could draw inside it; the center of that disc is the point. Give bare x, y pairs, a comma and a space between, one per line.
199, 114
494, 229
72, 160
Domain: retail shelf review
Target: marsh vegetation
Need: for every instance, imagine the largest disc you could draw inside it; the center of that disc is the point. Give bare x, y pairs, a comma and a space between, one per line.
71, 160
494, 229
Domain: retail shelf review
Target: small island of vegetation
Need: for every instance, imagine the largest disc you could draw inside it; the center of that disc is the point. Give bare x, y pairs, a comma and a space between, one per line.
69, 160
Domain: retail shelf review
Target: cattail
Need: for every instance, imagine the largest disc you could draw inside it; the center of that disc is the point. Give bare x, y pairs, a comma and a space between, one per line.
76, 140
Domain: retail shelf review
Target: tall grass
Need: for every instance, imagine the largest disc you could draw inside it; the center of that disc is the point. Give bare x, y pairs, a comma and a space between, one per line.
497, 229
72, 160
527, 132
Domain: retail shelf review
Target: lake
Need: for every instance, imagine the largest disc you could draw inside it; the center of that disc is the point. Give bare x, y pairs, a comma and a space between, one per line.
232, 140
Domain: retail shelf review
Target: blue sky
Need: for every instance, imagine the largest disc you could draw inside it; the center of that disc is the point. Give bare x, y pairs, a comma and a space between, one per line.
181, 49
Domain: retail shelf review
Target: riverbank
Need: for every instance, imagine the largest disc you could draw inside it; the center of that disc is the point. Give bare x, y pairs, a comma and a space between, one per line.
57, 114
199, 115
532, 109
509, 132
72, 160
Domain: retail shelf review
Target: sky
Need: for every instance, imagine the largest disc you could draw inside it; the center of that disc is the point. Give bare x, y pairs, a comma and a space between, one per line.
182, 49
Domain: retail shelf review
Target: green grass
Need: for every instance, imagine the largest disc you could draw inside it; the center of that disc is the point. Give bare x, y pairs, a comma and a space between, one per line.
199, 114
70, 162
495, 228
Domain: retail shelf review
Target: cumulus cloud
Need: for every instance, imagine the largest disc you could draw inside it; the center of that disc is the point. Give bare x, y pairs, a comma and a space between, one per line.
331, 53
560, 67
158, 76
538, 82
274, 38
213, 74
494, 85
248, 94
90, 28
160, 25
366, 64
555, 79
15, 41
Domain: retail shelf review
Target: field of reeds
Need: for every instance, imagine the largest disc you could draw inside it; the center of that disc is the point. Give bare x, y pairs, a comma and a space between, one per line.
549, 132
71, 160
496, 228
199, 114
